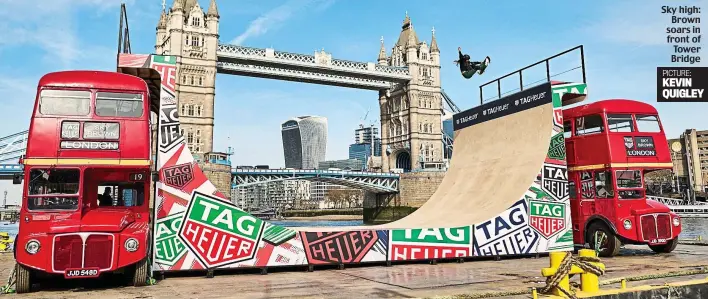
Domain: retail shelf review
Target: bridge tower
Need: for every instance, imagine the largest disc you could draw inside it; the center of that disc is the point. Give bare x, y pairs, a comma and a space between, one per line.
411, 114
192, 35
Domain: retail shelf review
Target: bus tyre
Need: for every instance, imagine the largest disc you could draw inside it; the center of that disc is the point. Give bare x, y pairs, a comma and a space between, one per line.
610, 245
140, 274
23, 281
665, 248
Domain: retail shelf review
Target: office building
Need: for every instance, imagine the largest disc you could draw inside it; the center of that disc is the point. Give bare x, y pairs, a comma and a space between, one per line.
689, 154
304, 141
283, 195
360, 152
366, 144
448, 136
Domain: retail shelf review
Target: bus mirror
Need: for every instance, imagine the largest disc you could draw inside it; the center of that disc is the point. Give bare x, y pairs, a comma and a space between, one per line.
16, 179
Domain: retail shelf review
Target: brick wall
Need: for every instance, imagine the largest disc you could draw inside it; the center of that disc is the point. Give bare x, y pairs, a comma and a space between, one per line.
219, 175
417, 187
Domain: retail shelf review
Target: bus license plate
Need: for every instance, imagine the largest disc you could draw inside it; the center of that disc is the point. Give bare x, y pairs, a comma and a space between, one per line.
81, 273
655, 241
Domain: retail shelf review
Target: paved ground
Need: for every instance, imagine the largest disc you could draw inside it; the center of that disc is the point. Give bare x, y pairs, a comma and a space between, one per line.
398, 281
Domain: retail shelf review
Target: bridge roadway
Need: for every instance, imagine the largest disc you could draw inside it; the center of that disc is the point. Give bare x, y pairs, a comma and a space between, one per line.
399, 281
375, 182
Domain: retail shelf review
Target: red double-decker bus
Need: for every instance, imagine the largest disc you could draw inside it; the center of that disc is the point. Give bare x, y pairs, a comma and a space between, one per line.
86, 179
611, 145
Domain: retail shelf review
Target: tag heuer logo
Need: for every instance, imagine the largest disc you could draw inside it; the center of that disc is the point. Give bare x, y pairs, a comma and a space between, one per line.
168, 246
178, 176
555, 181
218, 233
547, 218
629, 142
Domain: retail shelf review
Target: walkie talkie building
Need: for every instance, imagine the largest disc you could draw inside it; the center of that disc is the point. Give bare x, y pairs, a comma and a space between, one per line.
304, 141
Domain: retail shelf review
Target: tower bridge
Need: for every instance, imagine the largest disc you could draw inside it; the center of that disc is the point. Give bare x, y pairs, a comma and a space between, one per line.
406, 77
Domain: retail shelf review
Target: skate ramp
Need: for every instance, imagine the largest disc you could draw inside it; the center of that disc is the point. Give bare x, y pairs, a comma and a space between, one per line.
505, 194
496, 159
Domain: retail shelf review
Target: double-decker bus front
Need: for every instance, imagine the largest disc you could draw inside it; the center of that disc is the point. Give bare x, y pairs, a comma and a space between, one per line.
611, 146
86, 179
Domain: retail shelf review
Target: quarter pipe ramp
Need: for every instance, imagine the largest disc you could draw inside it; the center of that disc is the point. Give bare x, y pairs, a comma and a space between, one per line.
504, 194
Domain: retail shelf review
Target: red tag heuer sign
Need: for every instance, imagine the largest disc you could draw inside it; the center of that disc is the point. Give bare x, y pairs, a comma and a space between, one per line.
547, 218
219, 233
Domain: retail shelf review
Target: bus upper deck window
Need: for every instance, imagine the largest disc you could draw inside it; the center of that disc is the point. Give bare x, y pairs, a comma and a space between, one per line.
648, 123
620, 123
591, 124
119, 104
64, 102
567, 129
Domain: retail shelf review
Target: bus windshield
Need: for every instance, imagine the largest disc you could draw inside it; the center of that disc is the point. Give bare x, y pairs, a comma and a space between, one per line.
53, 189
629, 179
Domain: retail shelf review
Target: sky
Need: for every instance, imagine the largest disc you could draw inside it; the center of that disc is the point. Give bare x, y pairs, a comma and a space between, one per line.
623, 43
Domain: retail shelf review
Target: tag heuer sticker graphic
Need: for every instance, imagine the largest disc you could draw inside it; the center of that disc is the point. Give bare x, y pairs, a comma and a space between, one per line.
218, 233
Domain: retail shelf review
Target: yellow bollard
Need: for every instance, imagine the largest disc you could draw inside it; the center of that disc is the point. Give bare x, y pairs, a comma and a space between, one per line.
534, 293
589, 282
556, 260
624, 283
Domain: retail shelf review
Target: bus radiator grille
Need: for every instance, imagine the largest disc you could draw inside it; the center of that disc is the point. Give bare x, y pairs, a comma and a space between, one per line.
99, 251
67, 252
648, 227
663, 226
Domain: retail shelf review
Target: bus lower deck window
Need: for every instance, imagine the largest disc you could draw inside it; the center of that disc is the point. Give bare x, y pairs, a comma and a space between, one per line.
53, 189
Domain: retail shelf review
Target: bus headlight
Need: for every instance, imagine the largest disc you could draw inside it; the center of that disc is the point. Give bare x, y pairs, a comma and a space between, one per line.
32, 246
677, 221
627, 224
131, 245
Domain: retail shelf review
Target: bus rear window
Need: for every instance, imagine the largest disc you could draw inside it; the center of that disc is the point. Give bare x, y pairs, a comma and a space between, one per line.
591, 124
648, 123
620, 123
53, 189
119, 104
64, 102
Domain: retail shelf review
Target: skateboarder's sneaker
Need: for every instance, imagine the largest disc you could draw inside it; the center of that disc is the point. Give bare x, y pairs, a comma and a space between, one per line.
484, 65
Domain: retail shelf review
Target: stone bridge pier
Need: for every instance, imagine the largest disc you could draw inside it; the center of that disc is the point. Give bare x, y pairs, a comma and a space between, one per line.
415, 188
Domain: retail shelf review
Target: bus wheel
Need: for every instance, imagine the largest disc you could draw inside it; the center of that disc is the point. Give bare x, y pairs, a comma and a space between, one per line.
140, 275
23, 281
609, 245
665, 248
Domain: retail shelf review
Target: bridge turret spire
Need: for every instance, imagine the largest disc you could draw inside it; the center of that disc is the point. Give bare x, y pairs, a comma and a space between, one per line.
406, 33
162, 23
212, 11
412, 39
434, 43
177, 6
382, 53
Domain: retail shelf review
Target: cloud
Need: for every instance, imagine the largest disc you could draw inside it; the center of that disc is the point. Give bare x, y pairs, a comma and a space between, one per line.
49, 26
275, 17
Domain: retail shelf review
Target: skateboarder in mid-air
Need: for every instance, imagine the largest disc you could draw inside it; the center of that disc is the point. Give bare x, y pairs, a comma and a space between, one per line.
469, 68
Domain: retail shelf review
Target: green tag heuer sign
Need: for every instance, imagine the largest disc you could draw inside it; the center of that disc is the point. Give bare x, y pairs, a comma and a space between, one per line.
168, 247
557, 148
547, 218
219, 233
